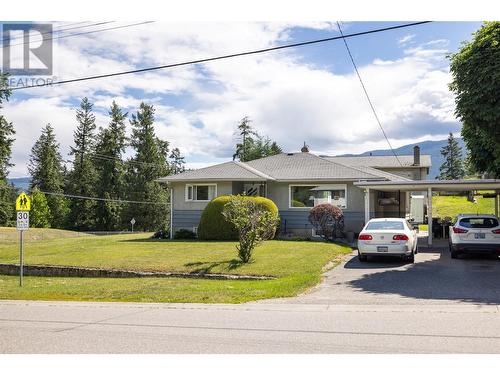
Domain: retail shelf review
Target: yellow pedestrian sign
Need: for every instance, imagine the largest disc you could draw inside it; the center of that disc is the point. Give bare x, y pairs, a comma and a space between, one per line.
23, 202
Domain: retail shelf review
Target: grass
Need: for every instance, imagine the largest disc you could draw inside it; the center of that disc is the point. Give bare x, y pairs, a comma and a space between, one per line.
296, 265
451, 206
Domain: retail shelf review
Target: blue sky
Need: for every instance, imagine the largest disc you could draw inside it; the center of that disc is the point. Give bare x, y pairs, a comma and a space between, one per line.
302, 94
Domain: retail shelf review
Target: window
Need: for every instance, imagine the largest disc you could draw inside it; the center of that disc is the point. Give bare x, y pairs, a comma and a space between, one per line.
479, 222
201, 193
385, 225
312, 195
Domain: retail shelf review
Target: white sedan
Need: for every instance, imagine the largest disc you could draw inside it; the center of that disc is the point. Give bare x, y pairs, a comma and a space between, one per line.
387, 236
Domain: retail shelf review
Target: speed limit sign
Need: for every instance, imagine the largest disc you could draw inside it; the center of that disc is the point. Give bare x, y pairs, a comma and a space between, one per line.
23, 220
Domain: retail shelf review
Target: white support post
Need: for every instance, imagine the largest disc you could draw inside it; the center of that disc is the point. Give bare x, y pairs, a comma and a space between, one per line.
407, 205
367, 205
171, 212
497, 197
429, 216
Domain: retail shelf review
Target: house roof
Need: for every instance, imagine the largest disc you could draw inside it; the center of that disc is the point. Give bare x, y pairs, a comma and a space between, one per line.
306, 166
300, 166
229, 171
383, 161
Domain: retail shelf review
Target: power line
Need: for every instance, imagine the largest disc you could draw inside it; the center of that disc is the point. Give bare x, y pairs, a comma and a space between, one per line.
101, 199
110, 158
63, 28
366, 94
84, 33
204, 60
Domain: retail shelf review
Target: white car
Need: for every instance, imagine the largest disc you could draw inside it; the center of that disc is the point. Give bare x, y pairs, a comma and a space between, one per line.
475, 234
388, 236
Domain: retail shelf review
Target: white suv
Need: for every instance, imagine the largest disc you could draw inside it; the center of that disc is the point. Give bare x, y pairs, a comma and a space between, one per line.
475, 234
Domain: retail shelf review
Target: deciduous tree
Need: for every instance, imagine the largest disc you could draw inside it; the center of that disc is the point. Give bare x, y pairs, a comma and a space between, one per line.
40, 212
253, 222
476, 83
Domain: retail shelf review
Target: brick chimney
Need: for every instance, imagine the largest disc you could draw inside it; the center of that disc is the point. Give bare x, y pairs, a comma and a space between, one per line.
416, 155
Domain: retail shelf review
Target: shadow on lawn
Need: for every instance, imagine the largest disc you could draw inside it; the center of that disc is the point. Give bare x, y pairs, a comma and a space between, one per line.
206, 267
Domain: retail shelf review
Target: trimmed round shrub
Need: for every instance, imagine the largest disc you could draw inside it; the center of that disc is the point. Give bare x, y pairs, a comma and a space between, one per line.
214, 226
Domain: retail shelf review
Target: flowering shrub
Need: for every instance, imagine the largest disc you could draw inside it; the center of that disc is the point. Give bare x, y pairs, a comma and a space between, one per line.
328, 220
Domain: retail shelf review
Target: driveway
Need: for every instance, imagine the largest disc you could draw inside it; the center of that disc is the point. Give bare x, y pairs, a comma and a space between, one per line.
434, 279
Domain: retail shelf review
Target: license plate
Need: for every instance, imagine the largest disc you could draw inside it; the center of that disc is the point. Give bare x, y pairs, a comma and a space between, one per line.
382, 249
479, 235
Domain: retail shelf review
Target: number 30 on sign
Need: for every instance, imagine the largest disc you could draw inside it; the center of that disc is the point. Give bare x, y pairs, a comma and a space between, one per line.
23, 220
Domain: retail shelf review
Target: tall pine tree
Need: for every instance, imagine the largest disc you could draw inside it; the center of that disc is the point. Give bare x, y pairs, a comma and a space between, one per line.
452, 167
7, 191
252, 145
83, 177
111, 170
177, 161
148, 164
47, 174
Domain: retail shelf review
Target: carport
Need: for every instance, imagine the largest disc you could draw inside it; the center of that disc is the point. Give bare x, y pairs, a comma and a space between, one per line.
427, 187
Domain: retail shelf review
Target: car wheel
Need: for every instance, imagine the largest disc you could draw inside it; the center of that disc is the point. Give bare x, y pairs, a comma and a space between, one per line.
411, 258
361, 257
416, 249
454, 254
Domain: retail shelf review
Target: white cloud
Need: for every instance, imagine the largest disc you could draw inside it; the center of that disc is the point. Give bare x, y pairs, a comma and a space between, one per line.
406, 39
287, 98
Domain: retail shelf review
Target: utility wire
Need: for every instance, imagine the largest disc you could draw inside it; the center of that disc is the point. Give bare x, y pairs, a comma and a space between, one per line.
204, 60
366, 94
83, 33
62, 28
101, 199
110, 158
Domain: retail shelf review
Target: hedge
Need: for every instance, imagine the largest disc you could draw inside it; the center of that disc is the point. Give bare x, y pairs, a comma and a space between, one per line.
213, 225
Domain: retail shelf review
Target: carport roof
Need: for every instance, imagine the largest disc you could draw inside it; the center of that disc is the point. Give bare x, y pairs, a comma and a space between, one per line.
436, 185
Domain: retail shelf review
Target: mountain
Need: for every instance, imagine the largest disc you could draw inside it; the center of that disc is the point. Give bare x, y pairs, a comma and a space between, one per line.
21, 183
432, 148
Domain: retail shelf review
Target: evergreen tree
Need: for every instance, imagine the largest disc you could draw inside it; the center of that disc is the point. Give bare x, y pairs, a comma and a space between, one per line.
149, 163
111, 170
252, 145
177, 161
7, 191
47, 174
40, 211
83, 177
452, 167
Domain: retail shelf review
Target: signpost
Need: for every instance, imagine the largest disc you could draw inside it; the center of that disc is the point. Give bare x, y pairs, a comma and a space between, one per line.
132, 222
23, 206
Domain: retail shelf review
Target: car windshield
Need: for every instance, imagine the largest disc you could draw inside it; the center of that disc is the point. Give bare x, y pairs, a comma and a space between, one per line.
479, 222
381, 225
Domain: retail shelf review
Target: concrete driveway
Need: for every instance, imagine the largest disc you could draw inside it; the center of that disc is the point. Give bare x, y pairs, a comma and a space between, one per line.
434, 278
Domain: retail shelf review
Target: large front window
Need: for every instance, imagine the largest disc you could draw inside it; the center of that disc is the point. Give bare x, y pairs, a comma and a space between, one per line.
312, 195
201, 193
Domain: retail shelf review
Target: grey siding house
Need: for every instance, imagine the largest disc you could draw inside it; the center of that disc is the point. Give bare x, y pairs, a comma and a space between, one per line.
296, 182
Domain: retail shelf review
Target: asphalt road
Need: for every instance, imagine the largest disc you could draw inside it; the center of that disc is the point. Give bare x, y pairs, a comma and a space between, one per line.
437, 305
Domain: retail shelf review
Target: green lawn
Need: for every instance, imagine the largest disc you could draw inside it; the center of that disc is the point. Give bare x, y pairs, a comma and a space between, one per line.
451, 206
297, 266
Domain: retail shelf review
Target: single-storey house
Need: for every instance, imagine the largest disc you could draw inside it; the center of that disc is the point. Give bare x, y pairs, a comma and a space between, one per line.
298, 181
